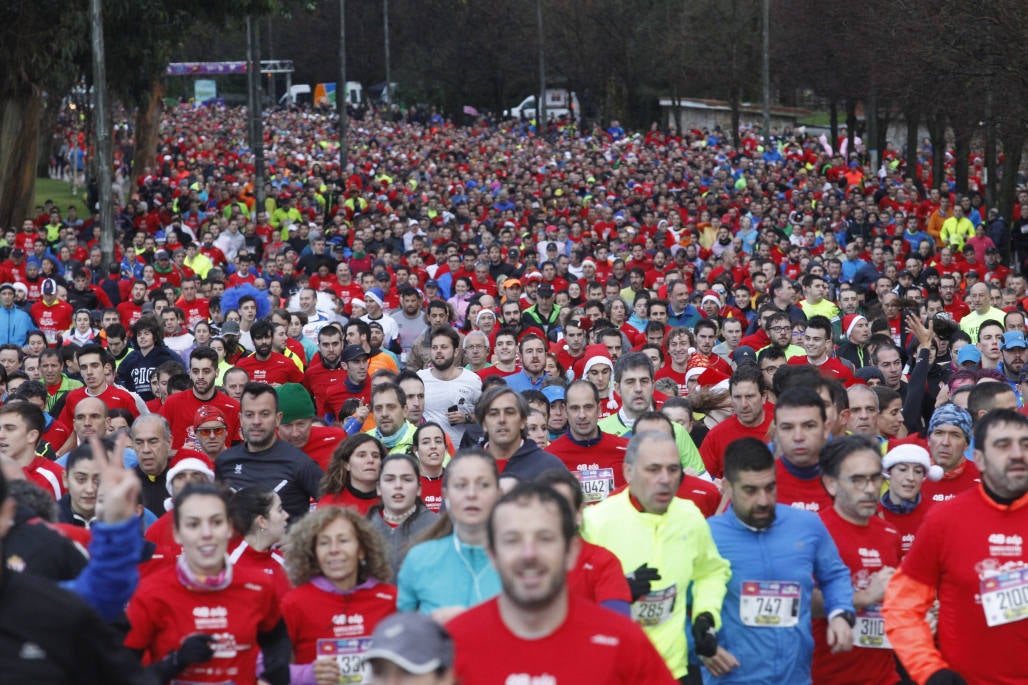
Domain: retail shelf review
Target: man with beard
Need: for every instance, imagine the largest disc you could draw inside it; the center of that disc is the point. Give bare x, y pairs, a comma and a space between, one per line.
1014, 345
410, 320
451, 391
181, 407
777, 553
533, 546
265, 365
325, 375
968, 559
131, 310
263, 461
533, 363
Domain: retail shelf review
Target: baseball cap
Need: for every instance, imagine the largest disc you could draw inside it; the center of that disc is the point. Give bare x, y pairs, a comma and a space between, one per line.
230, 328
432, 283
17, 252
743, 354
207, 413
1013, 339
412, 641
49, 287
163, 254
352, 352
544, 290
554, 393
512, 283
968, 353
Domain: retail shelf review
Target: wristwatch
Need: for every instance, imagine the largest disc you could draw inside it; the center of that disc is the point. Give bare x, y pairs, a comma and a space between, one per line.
849, 617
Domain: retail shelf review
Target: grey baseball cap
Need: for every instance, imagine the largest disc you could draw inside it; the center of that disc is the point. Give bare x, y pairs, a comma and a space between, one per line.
412, 641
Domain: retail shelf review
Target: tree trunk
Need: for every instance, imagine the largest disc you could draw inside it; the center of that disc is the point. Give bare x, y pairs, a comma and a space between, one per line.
961, 150
912, 116
19, 148
736, 118
851, 126
148, 122
1013, 148
833, 125
937, 133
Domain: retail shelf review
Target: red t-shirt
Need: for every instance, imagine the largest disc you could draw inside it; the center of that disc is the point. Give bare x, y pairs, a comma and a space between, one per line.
180, 409
965, 477
865, 550
328, 388
270, 563
349, 500
608, 452
432, 492
113, 397
799, 493
676, 376
322, 444
906, 524
46, 474
314, 614
129, 312
598, 576
276, 370
162, 612
832, 368
196, 311
53, 319
594, 645
712, 449
960, 549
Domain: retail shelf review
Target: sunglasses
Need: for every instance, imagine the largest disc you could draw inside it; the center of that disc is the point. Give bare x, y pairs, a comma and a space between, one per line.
211, 432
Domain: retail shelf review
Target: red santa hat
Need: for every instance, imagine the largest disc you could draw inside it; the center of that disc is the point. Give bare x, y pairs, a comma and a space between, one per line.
713, 379
190, 460
849, 321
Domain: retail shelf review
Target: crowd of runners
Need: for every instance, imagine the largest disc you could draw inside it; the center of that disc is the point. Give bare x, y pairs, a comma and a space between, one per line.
495, 406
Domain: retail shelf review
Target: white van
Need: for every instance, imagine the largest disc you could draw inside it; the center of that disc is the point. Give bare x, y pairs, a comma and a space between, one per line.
559, 103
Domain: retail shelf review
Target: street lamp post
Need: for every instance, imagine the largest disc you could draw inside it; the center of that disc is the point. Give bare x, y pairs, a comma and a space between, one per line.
341, 90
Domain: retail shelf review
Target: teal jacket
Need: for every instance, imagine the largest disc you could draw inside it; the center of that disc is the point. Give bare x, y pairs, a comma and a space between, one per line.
445, 572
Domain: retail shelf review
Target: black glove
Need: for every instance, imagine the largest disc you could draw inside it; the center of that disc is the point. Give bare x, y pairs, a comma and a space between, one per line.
703, 634
195, 649
946, 677
639, 580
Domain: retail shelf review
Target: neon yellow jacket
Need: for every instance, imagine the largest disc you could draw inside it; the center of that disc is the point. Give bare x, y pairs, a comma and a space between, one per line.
688, 454
679, 545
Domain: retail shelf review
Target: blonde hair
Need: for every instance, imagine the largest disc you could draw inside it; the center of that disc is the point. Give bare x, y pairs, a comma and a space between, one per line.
301, 547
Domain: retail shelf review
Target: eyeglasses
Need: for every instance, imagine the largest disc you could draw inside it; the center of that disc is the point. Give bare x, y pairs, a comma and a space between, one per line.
211, 432
861, 482
780, 329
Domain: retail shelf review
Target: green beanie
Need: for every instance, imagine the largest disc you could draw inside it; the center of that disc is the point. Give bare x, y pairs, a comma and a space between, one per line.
294, 402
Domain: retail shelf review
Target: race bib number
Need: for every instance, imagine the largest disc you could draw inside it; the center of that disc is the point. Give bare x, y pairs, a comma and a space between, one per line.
1005, 597
348, 655
655, 608
870, 629
769, 604
597, 484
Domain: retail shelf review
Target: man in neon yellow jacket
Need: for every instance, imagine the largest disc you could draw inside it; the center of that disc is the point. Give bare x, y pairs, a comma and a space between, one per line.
664, 545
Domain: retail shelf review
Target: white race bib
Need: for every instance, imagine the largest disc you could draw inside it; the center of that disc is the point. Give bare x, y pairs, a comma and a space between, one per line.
655, 608
769, 603
1005, 597
348, 655
870, 629
597, 484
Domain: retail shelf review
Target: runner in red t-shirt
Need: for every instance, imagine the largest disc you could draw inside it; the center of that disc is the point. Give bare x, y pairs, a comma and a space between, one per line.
970, 557
536, 620
870, 548
339, 598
